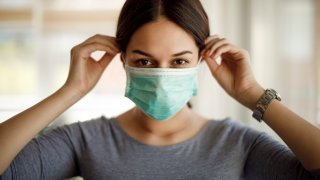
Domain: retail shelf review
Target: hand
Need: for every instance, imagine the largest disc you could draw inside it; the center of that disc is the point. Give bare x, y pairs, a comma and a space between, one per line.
84, 71
234, 73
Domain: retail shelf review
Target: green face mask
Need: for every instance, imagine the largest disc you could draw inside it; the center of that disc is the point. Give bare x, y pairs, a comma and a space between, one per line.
161, 92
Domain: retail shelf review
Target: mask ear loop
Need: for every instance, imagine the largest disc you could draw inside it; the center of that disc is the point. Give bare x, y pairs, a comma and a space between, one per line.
199, 61
125, 61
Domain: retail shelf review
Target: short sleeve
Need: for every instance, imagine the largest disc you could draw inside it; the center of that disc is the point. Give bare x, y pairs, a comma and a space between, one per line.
269, 159
49, 156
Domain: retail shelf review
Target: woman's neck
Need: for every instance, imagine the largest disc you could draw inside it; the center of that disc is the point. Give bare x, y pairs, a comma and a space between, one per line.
179, 122
184, 125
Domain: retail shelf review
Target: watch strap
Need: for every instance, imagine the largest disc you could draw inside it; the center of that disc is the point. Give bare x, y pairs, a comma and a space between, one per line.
263, 103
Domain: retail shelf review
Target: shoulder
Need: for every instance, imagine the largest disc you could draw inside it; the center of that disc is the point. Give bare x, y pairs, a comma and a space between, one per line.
231, 127
85, 129
233, 132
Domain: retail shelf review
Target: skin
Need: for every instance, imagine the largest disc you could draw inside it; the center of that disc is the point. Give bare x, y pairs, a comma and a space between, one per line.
161, 39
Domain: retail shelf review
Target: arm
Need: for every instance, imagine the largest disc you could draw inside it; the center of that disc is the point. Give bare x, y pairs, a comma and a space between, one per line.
235, 76
52, 155
302, 137
84, 73
16, 132
269, 159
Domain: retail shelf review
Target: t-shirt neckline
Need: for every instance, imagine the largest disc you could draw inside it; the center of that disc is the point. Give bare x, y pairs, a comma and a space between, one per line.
186, 142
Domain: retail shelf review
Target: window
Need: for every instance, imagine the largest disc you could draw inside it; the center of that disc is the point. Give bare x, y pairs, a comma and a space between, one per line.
35, 41
36, 37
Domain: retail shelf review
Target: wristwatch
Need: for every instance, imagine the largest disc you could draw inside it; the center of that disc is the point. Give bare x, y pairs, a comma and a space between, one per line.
263, 103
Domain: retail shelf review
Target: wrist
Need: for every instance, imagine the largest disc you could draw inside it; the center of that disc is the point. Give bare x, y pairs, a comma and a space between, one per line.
72, 92
264, 102
252, 96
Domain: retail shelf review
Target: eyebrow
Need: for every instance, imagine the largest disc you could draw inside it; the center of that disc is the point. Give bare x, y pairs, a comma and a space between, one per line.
149, 55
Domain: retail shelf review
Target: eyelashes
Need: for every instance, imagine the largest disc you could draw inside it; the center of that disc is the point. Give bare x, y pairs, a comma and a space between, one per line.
181, 61
144, 62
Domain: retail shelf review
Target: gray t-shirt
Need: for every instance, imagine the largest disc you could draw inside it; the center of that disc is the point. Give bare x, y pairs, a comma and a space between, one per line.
100, 149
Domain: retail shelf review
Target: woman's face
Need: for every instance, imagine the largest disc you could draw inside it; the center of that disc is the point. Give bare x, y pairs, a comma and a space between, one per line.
161, 44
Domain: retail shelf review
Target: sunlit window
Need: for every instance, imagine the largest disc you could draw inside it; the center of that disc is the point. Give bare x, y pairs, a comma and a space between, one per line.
36, 38
35, 42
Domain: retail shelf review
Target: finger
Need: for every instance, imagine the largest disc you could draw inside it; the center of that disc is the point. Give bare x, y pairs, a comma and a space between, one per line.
212, 45
105, 60
217, 45
212, 64
103, 39
209, 44
215, 36
99, 37
211, 40
85, 51
221, 50
207, 47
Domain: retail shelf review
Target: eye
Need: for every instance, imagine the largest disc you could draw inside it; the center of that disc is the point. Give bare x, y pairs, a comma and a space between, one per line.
180, 62
143, 62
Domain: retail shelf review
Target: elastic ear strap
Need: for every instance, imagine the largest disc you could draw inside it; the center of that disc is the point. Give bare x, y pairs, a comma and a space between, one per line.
125, 62
199, 61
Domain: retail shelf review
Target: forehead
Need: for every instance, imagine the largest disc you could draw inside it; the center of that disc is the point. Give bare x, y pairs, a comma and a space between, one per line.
162, 35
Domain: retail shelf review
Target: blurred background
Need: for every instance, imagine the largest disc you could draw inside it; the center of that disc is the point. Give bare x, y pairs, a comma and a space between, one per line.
36, 36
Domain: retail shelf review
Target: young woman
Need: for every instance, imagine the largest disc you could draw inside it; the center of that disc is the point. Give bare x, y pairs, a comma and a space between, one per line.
161, 44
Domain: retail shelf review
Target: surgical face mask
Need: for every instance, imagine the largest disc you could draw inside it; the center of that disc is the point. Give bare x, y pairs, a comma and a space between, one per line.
161, 92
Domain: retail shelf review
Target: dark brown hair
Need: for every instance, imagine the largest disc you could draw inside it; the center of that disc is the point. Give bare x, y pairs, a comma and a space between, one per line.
188, 14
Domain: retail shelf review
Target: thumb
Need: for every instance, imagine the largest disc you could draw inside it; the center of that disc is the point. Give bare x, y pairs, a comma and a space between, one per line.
213, 65
106, 59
